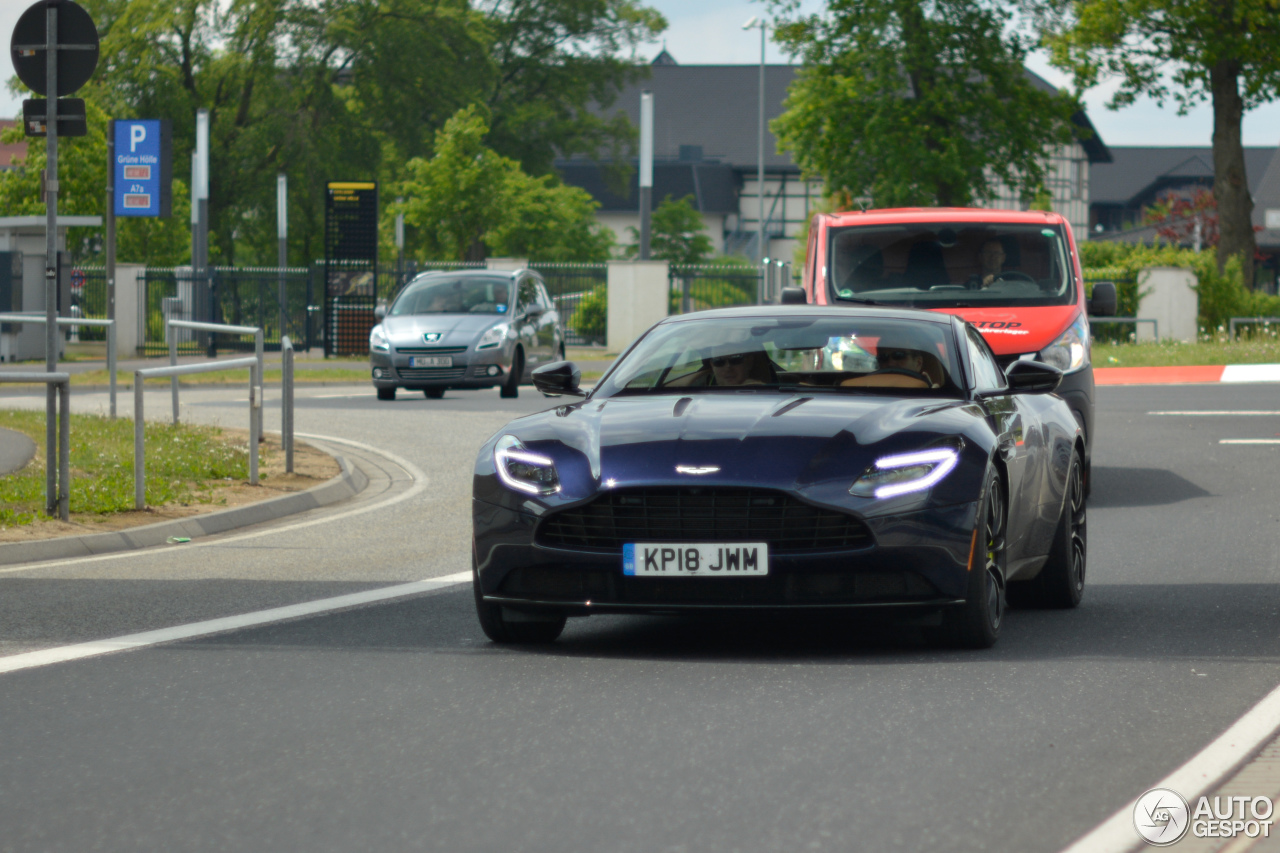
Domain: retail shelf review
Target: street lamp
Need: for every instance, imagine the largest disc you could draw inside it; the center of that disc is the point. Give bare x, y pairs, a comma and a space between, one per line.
763, 26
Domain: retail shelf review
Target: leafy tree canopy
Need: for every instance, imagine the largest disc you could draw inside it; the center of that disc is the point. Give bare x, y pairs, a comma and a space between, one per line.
916, 101
676, 233
1187, 51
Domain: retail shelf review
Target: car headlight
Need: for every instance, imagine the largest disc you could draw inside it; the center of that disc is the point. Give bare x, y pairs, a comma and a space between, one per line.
378, 340
905, 473
1070, 351
494, 336
524, 471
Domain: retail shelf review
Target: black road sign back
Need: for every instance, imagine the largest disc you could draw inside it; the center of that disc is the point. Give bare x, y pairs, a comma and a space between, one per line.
77, 45
71, 117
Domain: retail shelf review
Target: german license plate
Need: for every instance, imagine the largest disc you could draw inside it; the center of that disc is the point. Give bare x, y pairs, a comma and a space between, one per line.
430, 361
685, 560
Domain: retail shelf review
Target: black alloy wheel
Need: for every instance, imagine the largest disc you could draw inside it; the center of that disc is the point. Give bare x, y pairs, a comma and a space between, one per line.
386, 393
976, 624
511, 388
433, 393
1060, 583
499, 628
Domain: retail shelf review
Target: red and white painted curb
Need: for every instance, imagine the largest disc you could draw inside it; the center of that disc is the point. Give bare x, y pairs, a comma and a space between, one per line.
1193, 375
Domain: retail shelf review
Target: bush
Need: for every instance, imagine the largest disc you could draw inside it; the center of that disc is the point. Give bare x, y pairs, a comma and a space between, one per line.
1222, 294
591, 318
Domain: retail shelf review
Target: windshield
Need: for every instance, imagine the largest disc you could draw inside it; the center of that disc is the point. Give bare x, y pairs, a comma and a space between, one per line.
453, 295
745, 354
960, 265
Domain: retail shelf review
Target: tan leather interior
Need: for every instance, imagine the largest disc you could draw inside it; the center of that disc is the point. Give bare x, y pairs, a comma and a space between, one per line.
884, 380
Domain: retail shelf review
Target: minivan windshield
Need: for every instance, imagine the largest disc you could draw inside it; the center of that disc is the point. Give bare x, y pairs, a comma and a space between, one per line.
951, 265
454, 295
767, 354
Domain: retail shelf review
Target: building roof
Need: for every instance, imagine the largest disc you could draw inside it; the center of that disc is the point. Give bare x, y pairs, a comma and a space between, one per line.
713, 185
9, 151
1266, 196
717, 107
1136, 172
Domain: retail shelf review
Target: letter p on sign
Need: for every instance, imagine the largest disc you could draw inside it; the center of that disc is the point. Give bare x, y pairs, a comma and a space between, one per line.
137, 133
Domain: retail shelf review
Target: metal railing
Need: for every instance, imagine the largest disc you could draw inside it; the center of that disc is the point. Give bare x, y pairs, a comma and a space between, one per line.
286, 401
139, 376
1155, 325
256, 331
695, 287
1239, 321
110, 325
57, 495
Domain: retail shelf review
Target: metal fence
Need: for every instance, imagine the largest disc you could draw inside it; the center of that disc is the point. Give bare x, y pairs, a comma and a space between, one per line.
569, 285
696, 287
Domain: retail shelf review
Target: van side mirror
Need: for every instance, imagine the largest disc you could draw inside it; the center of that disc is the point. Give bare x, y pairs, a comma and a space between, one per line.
557, 378
1103, 301
794, 296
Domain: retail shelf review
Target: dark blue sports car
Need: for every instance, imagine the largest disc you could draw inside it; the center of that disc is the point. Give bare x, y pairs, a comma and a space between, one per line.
786, 457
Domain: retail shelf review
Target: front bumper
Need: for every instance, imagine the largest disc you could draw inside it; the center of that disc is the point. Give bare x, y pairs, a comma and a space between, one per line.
919, 558
471, 369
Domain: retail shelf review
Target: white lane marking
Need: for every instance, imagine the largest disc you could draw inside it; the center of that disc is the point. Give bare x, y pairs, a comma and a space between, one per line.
1249, 441
419, 484
44, 657
1194, 779
1223, 413
1251, 373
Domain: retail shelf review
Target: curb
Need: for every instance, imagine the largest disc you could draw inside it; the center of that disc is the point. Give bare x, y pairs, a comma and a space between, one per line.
349, 482
1188, 375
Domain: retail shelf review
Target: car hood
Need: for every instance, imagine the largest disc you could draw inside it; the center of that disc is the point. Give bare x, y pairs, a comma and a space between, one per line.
453, 328
763, 439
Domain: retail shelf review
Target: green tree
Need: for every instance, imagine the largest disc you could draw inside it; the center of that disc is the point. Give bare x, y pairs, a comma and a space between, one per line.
677, 233
467, 200
916, 101
1187, 51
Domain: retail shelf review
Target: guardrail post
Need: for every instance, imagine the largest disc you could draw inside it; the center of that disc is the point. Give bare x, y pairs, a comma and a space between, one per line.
111, 365
286, 401
258, 348
173, 362
255, 412
64, 450
139, 464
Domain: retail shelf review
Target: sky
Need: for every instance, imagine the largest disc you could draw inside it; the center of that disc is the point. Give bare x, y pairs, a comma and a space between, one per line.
710, 32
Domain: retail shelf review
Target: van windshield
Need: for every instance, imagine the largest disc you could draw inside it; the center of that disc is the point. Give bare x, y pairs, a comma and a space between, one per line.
951, 265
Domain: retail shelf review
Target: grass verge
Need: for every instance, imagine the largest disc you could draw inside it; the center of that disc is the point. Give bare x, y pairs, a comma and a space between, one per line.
1259, 349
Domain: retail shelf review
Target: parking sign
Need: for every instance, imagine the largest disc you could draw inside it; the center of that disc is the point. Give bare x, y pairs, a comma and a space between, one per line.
143, 167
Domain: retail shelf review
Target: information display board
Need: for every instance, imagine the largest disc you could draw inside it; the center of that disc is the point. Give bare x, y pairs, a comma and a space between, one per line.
351, 265
143, 164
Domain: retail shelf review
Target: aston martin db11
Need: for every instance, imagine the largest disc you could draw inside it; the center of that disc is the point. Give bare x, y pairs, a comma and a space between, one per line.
794, 457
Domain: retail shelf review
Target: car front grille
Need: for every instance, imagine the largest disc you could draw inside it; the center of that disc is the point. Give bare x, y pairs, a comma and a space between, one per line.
542, 583
695, 514
430, 350
431, 372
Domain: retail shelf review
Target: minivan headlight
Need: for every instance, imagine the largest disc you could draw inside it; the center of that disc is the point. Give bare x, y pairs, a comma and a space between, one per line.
522, 470
1070, 351
378, 340
904, 473
492, 337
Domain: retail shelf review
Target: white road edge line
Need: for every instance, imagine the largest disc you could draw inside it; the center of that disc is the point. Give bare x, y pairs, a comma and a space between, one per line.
419, 484
1223, 413
60, 654
1249, 441
1194, 779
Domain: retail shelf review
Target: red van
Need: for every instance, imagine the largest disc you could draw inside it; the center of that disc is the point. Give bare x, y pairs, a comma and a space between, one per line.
1015, 275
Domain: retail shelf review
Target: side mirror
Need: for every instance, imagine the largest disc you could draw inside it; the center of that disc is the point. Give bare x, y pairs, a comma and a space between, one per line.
380, 313
1032, 377
557, 378
794, 296
1103, 301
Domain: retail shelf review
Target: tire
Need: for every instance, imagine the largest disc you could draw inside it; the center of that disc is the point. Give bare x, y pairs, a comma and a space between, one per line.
1060, 583
497, 628
511, 388
386, 393
976, 624
433, 393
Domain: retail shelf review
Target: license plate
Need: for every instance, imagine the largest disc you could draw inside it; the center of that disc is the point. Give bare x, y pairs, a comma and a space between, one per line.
430, 361
685, 560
